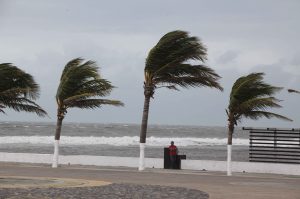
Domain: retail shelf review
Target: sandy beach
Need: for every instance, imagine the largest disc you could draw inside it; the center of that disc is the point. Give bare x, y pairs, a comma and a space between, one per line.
153, 183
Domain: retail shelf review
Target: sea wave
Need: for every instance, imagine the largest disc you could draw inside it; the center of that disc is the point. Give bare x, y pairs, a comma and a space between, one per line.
120, 141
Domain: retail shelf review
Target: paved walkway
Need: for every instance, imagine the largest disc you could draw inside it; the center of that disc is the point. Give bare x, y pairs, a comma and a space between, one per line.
152, 183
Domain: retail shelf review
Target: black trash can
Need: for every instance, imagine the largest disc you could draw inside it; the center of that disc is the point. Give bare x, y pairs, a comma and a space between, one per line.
167, 161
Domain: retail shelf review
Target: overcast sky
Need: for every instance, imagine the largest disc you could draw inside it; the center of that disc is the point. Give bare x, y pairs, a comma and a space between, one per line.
242, 36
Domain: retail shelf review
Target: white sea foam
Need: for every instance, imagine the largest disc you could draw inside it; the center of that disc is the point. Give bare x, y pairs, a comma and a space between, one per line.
120, 141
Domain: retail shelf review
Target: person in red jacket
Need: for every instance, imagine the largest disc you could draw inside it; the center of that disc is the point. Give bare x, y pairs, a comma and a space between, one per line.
173, 154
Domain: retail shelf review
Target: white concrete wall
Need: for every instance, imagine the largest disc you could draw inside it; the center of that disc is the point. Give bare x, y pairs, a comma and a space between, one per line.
209, 165
26, 158
248, 167
80, 160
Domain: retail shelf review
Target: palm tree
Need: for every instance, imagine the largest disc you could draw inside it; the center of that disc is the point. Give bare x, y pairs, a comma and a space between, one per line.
80, 85
18, 90
167, 66
250, 97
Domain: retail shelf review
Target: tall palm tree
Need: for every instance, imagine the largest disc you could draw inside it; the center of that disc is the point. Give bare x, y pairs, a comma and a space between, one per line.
167, 66
18, 90
80, 85
250, 97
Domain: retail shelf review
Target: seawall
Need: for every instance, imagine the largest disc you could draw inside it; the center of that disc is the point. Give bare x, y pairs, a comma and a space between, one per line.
208, 165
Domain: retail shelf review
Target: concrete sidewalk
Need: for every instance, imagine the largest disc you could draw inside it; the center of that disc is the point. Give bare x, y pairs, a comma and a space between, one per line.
216, 184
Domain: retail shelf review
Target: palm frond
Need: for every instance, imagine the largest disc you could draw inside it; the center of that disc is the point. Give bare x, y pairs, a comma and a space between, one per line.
174, 48
1, 109
166, 64
75, 75
14, 78
259, 104
186, 75
80, 84
14, 91
260, 114
293, 91
252, 86
82, 96
73, 63
18, 90
27, 106
92, 103
251, 97
95, 87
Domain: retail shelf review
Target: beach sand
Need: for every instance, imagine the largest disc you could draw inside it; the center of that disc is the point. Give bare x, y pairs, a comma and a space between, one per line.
160, 182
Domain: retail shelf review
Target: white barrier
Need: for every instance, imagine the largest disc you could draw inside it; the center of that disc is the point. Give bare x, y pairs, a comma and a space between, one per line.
248, 167
209, 165
80, 160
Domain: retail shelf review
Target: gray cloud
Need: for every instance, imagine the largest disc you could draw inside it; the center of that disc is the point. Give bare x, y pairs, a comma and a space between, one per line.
227, 57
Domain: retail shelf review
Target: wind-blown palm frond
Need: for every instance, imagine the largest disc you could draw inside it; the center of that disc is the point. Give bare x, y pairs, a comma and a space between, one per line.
174, 48
250, 87
93, 103
75, 76
80, 85
1, 108
195, 77
166, 63
18, 90
186, 75
254, 115
258, 104
80, 82
30, 107
293, 91
251, 97
13, 77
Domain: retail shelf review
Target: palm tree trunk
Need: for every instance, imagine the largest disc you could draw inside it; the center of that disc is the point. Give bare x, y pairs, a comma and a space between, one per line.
56, 141
229, 147
144, 132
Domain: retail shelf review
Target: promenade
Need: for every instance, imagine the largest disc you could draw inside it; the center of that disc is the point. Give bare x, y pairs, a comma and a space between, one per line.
122, 182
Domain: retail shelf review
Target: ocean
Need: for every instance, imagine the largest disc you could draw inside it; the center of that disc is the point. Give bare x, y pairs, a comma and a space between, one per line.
196, 142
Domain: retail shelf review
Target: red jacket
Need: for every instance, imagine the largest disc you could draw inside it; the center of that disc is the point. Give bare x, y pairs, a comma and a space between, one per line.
172, 150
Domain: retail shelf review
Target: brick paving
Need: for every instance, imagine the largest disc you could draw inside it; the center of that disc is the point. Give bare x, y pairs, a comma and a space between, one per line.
112, 191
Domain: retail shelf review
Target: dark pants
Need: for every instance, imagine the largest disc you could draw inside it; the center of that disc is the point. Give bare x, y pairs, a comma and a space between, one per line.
173, 161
